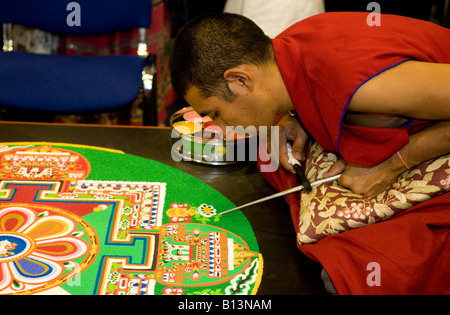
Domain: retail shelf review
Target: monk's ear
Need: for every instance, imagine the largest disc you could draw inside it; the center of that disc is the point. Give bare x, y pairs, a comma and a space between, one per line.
239, 78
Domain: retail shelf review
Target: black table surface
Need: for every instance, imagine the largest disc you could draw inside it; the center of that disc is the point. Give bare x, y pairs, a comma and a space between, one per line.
287, 271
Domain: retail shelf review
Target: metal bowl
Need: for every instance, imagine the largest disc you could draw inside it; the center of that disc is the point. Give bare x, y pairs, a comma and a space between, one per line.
197, 139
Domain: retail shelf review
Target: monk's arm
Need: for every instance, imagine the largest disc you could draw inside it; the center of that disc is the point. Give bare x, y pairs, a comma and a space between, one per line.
429, 143
414, 89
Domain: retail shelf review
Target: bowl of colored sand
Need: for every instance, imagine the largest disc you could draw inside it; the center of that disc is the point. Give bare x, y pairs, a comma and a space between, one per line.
198, 139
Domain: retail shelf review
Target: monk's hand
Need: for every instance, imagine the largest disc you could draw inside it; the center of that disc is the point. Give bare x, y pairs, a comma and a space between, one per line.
291, 130
365, 181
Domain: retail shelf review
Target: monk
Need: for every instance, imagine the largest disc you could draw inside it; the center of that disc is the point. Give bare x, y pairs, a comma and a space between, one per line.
376, 95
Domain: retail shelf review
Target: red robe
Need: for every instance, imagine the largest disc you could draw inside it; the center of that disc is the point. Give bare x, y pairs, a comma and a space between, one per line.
326, 58
332, 55
412, 248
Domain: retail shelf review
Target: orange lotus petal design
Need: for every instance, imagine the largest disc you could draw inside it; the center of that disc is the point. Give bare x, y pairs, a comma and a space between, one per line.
34, 247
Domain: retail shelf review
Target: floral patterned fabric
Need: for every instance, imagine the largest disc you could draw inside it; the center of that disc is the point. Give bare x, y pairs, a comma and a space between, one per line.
330, 209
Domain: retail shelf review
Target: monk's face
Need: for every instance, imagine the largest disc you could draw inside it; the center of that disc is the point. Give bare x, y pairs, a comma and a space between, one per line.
244, 110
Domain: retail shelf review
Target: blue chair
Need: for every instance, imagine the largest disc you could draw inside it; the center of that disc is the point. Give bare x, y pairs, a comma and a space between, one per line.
61, 84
